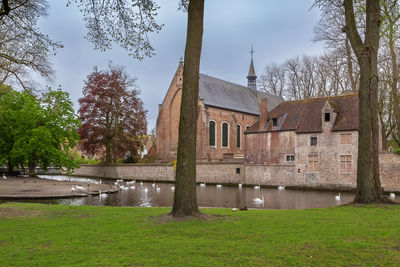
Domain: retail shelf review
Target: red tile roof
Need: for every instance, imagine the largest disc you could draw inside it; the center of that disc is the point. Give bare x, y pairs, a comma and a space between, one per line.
305, 116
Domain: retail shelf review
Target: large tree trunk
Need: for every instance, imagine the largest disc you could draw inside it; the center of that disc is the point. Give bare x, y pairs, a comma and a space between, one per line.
32, 169
368, 182
185, 199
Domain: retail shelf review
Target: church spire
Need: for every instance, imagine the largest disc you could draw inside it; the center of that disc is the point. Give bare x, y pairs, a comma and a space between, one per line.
251, 77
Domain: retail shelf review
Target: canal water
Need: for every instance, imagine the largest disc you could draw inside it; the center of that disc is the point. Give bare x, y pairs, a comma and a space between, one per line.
161, 195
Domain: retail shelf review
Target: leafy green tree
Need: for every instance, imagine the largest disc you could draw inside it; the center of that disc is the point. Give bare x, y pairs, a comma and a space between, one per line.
38, 132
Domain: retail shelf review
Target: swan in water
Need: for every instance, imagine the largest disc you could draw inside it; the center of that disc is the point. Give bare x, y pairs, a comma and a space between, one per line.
392, 195
145, 190
78, 187
158, 190
257, 187
4, 176
240, 185
337, 197
141, 183
153, 184
259, 200
131, 182
120, 180
102, 195
203, 185
280, 188
132, 187
172, 188
219, 185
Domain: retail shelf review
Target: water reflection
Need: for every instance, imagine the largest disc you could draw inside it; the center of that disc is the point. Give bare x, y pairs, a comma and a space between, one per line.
145, 195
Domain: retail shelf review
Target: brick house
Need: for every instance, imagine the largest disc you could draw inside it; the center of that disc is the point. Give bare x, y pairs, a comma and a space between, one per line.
313, 141
226, 110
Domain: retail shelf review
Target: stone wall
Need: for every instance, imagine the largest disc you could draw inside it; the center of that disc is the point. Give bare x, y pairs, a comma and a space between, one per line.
234, 173
206, 172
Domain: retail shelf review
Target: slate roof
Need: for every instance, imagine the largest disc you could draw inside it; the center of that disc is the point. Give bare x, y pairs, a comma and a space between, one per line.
305, 116
219, 93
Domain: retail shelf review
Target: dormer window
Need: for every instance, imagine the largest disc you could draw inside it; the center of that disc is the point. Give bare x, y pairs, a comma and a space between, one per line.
274, 122
327, 116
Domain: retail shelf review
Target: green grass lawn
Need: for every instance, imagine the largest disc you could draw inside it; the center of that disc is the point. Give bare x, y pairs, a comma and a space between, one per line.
45, 235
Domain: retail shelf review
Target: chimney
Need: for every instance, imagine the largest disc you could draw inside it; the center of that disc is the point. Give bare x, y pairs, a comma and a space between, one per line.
263, 114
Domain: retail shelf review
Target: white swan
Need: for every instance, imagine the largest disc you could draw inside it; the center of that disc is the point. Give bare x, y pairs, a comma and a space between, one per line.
4, 176
234, 209
132, 187
259, 200
257, 187
129, 183
158, 190
240, 185
337, 197
78, 187
172, 188
141, 183
203, 185
145, 190
153, 184
102, 195
219, 185
392, 195
120, 180
280, 188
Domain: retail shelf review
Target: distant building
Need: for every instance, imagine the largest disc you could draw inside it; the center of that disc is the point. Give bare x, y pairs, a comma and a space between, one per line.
307, 141
226, 110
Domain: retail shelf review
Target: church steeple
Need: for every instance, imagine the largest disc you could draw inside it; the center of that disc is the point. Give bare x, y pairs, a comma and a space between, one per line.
251, 77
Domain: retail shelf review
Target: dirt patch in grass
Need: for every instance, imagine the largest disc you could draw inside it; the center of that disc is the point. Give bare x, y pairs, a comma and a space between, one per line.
12, 212
167, 218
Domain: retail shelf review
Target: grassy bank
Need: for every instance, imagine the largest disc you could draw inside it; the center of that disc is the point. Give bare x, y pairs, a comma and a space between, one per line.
47, 235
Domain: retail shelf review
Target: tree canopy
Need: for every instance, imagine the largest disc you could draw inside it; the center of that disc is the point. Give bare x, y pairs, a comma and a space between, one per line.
112, 114
37, 131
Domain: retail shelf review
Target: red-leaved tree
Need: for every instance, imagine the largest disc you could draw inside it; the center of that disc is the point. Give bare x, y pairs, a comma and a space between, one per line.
112, 114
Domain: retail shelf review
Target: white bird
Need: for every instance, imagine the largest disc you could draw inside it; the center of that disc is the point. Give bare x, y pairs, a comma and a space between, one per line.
392, 195
337, 197
116, 183
203, 185
240, 185
120, 180
280, 188
78, 187
257, 187
132, 187
100, 181
259, 200
145, 190
172, 188
125, 188
158, 190
73, 189
102, 195
153, 184
141, 183
219, 185
234, 209
131, 182
4, 176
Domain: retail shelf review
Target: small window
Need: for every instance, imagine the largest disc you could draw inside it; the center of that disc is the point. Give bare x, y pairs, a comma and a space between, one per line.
274, 122
327, 116
346, 165
238, 135
313, 141
225, 134
212, 133
313, 162
345, 139
237, 170
289, 158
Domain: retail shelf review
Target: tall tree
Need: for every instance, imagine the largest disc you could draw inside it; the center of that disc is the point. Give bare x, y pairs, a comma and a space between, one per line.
112, 114
185, 199
369, 188
37, 131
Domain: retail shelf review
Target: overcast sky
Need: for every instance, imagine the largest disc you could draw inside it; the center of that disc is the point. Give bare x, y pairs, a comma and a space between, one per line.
278, 30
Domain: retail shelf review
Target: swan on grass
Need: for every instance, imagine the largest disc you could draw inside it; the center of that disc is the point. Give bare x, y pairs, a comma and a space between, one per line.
259, 200
337, 197
392, 195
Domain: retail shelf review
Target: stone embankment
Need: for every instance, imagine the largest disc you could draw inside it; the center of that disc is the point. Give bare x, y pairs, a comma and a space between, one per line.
29, 188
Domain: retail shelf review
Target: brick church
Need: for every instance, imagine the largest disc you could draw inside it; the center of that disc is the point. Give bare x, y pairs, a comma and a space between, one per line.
226, 110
